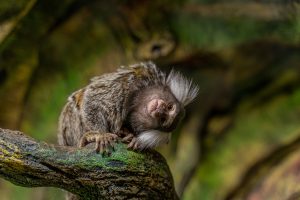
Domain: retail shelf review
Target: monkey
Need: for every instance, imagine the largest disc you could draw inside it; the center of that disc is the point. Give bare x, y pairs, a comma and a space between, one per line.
138, 104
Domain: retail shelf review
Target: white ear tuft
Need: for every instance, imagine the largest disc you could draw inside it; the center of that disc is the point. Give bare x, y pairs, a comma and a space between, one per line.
183, 89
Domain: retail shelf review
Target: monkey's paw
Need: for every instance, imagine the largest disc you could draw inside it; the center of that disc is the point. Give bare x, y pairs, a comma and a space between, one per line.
132, 142
104, 141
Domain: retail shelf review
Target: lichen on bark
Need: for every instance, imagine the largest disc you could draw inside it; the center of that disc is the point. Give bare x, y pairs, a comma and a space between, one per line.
122, 175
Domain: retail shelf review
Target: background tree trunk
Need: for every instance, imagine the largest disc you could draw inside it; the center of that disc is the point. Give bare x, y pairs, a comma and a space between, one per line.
238, 138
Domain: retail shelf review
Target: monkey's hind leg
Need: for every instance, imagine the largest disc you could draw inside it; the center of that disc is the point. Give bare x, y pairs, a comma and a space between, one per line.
104, 141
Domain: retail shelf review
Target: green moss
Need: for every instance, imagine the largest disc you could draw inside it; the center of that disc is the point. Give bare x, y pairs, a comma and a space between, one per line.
121, 159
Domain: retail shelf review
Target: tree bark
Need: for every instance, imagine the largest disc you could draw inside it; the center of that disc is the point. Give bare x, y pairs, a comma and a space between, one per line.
122, 175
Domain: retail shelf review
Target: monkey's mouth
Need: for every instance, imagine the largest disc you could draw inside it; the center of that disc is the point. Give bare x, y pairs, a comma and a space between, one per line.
155, 106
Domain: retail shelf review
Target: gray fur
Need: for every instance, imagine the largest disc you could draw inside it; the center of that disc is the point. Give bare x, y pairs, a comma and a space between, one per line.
114, 99
103, 105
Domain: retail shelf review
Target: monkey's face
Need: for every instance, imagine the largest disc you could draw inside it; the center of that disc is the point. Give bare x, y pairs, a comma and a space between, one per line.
165, 112
157, 109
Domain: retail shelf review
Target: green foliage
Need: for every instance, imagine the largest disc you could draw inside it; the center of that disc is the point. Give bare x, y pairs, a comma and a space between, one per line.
215, 33
60, 45
255, 132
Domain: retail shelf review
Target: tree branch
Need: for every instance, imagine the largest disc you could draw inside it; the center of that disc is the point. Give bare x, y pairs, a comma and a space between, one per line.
124, 174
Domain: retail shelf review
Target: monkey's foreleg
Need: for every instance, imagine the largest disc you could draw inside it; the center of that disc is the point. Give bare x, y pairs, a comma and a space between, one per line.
103, 141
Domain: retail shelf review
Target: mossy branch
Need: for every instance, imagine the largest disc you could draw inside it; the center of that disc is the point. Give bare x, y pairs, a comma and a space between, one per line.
125, 174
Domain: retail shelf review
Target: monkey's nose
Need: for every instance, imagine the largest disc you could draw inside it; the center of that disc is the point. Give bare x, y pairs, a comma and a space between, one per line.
160, 113
156, 108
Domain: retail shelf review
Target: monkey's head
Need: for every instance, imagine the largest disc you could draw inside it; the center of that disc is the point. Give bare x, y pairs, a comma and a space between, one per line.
164, 111
157, 110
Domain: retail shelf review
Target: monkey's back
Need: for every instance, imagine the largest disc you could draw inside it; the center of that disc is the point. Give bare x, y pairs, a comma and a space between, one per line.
70, 126
103, 104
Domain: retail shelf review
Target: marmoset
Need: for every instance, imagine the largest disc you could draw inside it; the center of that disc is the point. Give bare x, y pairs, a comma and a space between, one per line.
139, 104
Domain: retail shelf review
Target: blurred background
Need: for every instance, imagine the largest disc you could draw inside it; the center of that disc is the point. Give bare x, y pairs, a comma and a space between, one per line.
240, 138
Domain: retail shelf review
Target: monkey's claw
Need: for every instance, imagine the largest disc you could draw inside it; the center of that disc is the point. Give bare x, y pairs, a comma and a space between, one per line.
128, 138
104, 141
134, 144
132, 140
